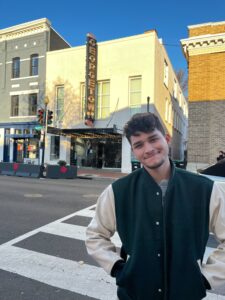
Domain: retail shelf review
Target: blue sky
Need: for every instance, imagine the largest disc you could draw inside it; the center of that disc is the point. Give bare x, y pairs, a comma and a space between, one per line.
118, 18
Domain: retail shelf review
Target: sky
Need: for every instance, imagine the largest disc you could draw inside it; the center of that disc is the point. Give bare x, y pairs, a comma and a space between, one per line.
108, 20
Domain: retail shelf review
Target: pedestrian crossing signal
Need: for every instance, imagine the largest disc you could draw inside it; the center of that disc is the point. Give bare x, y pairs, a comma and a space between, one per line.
50, 117
40, 116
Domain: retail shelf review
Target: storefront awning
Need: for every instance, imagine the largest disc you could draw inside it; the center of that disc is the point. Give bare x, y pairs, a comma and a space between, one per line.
92, 133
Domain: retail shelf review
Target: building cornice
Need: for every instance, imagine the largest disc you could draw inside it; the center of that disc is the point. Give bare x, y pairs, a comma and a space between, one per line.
25, 29
204, 44
206, 24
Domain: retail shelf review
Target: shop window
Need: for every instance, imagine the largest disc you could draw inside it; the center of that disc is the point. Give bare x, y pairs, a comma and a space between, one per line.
26, 131
16, 67
34, 64
60, 102
14, 106
31, 149
135, 94
18, 131
55, 147
103, 99
32, 105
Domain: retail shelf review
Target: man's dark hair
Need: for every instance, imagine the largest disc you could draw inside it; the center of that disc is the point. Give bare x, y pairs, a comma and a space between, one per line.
142, 122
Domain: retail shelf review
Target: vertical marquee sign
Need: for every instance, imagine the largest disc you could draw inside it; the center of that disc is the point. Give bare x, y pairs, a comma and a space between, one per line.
91, 79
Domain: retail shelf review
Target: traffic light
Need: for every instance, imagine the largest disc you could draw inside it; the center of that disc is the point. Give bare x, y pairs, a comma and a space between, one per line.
50, 117
41, 115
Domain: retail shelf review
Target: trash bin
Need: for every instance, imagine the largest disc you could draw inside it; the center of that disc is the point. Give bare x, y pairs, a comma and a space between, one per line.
135, 165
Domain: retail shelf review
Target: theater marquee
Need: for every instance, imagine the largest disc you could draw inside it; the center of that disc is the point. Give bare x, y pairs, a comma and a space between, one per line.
91, 79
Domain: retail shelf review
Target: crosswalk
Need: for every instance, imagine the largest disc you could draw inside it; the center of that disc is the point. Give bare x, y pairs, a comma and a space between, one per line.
81, 276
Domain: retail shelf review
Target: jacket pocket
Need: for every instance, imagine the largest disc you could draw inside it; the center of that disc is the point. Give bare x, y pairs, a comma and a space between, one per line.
204, 279
121, 275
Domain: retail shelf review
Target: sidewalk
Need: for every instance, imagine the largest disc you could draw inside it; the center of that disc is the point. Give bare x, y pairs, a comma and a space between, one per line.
91, 173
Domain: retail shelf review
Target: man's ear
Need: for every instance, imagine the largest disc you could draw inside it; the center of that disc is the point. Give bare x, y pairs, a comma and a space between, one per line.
168, 138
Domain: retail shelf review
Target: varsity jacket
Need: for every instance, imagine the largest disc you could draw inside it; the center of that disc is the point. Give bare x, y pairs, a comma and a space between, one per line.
164, 238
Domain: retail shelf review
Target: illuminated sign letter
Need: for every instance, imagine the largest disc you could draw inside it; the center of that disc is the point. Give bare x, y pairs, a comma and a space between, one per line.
91, 79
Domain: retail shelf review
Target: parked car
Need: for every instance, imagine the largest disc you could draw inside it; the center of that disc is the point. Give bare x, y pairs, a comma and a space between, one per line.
217, 169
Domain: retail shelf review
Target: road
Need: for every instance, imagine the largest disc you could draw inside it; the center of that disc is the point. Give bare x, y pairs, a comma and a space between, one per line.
42, 231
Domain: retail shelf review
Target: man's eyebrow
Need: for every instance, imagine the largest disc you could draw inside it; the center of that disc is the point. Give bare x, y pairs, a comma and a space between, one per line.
155, 135
137, 143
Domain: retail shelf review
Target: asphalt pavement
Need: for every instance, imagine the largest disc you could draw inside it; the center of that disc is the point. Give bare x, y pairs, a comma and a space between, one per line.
42, 232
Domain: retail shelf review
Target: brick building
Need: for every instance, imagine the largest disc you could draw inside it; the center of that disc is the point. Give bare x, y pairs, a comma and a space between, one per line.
23, 51
205, 54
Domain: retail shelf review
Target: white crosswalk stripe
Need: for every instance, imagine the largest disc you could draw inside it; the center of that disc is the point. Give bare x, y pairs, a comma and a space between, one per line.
63, 273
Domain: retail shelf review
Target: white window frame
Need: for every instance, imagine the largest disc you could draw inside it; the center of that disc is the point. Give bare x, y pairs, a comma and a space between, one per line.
54, 155
134, 108
100, 95
59, 111
166, 73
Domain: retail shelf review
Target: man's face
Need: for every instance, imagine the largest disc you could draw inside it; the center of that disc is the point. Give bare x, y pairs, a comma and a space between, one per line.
151, 149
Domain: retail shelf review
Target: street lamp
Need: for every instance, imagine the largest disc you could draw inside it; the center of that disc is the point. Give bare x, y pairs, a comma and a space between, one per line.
45, 128
148, 100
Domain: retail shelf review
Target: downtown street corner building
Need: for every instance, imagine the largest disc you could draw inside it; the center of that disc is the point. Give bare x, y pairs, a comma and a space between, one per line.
204, 50
23, 51
94, 89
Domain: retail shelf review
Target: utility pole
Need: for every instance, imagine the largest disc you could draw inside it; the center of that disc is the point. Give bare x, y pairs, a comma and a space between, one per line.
46, 101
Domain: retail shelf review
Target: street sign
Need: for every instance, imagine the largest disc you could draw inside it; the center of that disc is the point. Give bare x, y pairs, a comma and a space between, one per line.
38, 127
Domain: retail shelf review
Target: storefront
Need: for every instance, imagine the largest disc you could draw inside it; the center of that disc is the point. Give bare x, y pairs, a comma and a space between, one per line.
21, 144
96, 148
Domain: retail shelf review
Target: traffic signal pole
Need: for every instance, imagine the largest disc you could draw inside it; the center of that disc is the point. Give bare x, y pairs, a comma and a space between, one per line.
45, 123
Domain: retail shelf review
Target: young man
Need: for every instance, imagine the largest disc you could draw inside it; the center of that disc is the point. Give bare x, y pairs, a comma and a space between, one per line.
163, 216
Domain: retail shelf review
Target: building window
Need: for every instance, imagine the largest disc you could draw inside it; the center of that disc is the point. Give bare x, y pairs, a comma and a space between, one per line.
34, 64
82, 97
135, 94
180, 99
32, 106
175, 89
167, 110
166, 73
60, 102
55, 147
16, 67
170, 113
14, 105
103, 99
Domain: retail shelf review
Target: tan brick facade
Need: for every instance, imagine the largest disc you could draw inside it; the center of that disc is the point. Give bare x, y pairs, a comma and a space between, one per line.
208, 29
207, 77
204, 50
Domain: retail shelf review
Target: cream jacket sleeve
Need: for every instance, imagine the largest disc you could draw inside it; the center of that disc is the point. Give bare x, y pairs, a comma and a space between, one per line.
101, 229
214, 269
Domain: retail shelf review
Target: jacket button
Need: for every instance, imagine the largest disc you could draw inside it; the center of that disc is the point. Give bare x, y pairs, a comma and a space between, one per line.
159, 290
157, 223
157, 193
159, 254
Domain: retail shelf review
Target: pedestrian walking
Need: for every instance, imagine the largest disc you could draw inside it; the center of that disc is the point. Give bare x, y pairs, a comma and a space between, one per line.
163, 216
221, 155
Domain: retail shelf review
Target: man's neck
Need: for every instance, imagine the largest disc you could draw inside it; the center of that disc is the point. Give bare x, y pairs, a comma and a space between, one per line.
160, 173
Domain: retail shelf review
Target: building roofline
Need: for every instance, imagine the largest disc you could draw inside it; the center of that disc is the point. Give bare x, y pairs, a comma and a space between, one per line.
60, 36
25, 25
112, 41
